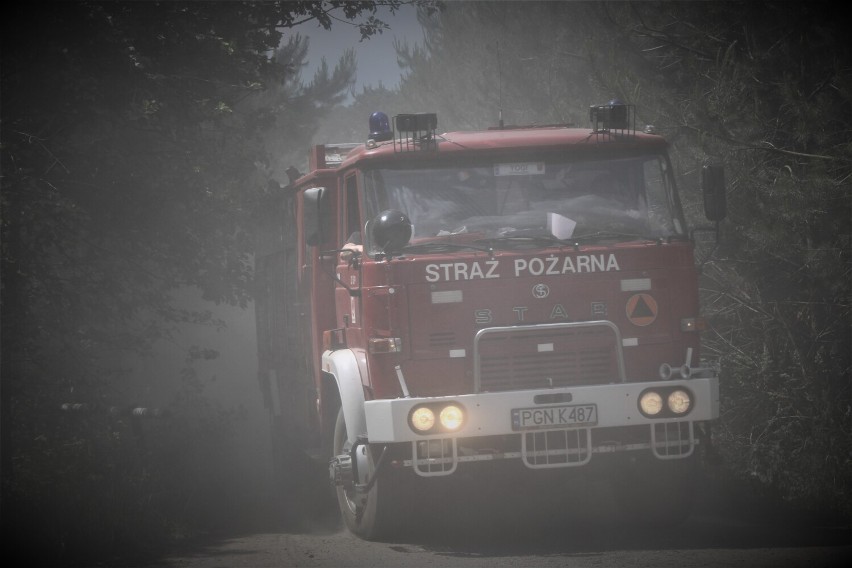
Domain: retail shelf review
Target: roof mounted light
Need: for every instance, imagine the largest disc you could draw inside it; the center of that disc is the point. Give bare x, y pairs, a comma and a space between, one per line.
380, 129
613, 116
416, 123
415, 131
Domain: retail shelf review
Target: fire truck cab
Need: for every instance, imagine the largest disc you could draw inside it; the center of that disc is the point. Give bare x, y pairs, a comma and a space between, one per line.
520, 297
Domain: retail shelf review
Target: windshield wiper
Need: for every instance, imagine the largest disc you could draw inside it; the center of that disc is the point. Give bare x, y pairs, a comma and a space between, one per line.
443, 246
606, 235
521, 240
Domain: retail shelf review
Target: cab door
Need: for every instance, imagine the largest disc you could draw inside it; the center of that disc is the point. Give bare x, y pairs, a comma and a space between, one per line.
347, 297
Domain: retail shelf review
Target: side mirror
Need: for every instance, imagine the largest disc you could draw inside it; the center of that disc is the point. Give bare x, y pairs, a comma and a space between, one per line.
314, 205
713, 189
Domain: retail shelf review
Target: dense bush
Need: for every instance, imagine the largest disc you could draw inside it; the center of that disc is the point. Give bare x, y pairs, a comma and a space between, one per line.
139, 140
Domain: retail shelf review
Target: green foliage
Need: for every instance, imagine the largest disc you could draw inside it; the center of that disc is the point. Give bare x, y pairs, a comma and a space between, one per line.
764, 87
350, 123
107, 482
138, 141
523, 64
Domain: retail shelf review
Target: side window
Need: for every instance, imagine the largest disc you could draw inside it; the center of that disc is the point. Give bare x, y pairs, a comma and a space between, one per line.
657, 195
352, 228
306, 259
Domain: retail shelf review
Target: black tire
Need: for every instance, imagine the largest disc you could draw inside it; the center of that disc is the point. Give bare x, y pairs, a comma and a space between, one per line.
657, 494
374, 515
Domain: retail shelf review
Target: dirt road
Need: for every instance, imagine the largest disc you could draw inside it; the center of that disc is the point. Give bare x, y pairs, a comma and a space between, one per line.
715, 546
727, 529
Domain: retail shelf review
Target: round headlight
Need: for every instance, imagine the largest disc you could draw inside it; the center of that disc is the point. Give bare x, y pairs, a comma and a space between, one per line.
679, 401
451, 417
651, 403
422, 419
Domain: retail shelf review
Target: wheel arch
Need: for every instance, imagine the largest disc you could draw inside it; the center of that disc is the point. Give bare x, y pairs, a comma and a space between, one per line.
342, 373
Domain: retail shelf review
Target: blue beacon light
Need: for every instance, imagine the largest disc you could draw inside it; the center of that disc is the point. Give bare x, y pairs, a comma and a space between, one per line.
380, 129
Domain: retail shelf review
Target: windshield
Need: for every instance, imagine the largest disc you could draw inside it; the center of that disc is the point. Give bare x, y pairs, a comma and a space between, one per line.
624, 199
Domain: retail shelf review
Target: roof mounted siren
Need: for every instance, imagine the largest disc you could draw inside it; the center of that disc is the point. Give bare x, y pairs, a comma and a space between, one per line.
615, 117
415, 132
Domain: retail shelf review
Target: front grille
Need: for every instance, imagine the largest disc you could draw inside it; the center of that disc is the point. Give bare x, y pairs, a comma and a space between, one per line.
549, 355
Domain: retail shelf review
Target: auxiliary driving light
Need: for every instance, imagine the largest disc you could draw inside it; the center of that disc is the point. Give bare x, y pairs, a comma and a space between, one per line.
436, 418
665, 402
451, 417
422, 419
679, 401
651, 403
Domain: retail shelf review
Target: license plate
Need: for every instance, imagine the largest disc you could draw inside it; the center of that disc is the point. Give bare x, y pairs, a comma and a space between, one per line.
554, 417
519, 169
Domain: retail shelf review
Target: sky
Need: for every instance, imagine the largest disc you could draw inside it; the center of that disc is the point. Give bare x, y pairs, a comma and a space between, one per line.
376, 57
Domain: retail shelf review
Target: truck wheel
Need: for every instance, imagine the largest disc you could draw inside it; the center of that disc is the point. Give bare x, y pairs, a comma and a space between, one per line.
658, 495
373, 514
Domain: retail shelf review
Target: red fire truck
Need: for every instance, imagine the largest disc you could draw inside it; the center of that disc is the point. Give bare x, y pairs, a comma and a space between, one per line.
522, 298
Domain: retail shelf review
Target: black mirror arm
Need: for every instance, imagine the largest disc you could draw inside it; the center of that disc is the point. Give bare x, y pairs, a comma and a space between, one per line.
708, 229
354, 261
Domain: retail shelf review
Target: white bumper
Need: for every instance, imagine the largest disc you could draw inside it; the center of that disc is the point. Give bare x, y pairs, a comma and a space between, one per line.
490, 414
